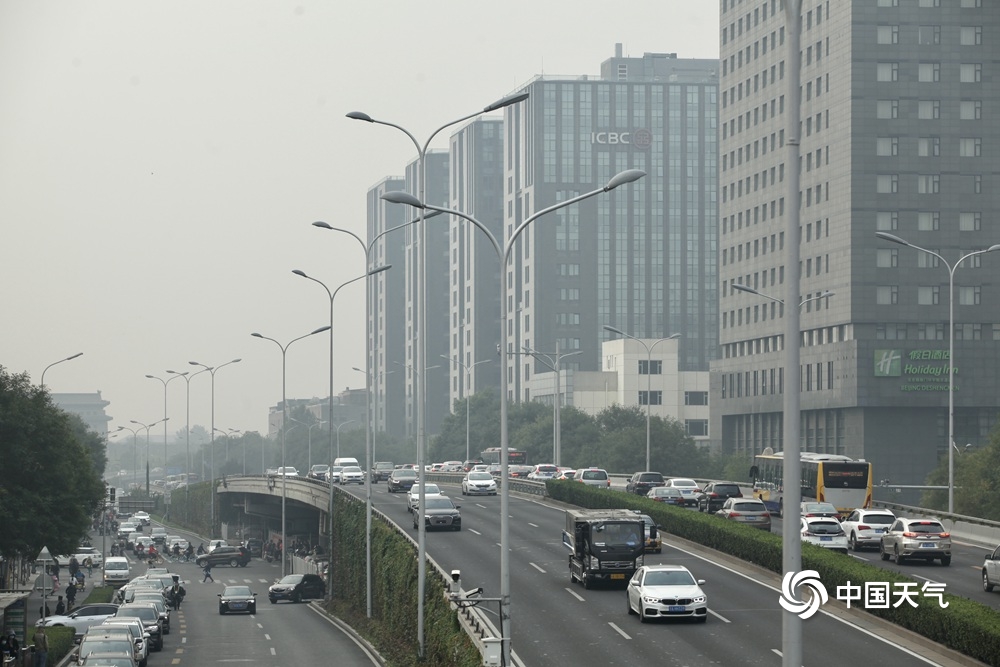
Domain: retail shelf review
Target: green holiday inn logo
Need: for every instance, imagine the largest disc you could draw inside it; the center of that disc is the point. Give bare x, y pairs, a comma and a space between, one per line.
888, 363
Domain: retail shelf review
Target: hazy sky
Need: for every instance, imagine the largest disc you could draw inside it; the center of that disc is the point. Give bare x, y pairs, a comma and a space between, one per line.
161, 163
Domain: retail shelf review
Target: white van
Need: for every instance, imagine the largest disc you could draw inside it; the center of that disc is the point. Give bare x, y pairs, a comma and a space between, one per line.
346, 461
116, 571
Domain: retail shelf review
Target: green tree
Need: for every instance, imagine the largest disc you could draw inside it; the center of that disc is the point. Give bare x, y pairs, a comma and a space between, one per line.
53, 485
977, 482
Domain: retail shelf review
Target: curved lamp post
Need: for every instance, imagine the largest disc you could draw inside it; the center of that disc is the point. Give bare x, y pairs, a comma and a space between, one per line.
212, 370
349, 421
57, 362
649, 373
187, 435
503, 254
468, 368
135, 453
951, 347
284, 428
165, 383
147, 427
552, 362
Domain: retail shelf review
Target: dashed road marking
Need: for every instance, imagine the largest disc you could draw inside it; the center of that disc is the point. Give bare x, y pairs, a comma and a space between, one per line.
537, 568
619, 631
575, 594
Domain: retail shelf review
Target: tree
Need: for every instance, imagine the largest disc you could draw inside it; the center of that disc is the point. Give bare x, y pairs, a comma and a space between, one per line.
977, 482
52, 486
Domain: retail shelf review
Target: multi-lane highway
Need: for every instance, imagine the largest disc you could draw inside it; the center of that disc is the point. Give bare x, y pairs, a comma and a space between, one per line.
554, 620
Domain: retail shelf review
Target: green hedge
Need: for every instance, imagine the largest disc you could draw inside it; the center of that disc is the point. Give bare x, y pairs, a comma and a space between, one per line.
964, 625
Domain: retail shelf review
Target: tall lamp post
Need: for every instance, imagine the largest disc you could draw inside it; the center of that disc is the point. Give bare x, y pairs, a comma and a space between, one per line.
236, 430
503, 254
135, 453
284, 428
187, 435
57, 362
147, 427
421, 348
551, 361
951, 347
468, 368
649, 373
349, 421
165, 383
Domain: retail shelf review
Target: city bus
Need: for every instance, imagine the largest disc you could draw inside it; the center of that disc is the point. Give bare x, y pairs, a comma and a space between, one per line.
515, 457
844, 482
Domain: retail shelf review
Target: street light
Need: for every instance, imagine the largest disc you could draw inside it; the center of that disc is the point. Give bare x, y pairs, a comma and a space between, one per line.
147, 427
310, 436
212, 371
135, 453
503, 254
649, 374
553, 364
165, 383
420, 350
951, 347
284, 428
349, 421
187, 436
57, 362
468, 381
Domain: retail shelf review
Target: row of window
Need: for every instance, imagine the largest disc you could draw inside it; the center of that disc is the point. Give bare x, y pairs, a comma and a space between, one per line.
929, 34
812, 377
929, 147
930, 221
927, 109
888, 295
927, 72
759, 313
936, 331
775, 343
927, 184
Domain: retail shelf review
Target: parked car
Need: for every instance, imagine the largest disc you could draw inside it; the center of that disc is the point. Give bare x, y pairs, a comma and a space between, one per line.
381, 470
402, 479
814, 508
237, 598
543, 471
666, 591
991, 570
668, 495
136, 632
296, 588
916, 538
232, 556
593, 477
150, 618
80, 618
104, 640
688, 488
319, 471
430, 489
714, 495
641, 482
438, 512
479, 484
748, 511
352, 475
82, 554
824, 532
864, 528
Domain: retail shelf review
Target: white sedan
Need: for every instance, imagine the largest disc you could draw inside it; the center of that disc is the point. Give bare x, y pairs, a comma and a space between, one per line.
666, 591
824, 532
352, 475
479, 483
414, 497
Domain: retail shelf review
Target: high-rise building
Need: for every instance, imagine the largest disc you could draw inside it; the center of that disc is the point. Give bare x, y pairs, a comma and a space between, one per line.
897, 111
641, 258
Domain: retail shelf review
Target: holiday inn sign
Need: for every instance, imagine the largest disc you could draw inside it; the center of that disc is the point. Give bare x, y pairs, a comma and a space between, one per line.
919, 370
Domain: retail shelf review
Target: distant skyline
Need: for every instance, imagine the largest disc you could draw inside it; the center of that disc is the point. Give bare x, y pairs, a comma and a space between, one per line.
161, 165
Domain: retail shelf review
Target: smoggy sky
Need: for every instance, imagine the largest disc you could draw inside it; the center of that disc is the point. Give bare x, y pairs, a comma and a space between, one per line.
161, 163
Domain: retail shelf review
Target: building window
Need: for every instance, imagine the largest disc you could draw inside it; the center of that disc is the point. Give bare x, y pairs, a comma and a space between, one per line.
887, 34
927, 296
696, 427
886, 221
928, 221
695, 398
970, 73
970, 147
928, 147
928, 184
970, 35
647, 367
886, 258
928, 72
968, 296
651, 398
886, 183
970, 110
886, 146
928, 109
886, 72
886, 295
887, 109
929, 34
969, 222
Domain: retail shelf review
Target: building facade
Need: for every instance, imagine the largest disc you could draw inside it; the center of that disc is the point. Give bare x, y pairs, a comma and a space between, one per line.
896, 136
87, 406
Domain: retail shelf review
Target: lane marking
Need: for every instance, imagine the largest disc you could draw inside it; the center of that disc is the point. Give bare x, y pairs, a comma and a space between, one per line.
575, 594
719, 616
273, 652
260, 626
537, 568
267, 636
472, 530
619, 630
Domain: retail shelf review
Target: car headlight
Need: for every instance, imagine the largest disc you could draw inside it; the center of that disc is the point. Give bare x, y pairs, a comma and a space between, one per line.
699, 599
648, 599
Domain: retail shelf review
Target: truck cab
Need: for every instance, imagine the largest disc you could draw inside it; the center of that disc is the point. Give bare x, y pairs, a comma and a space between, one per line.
605, 545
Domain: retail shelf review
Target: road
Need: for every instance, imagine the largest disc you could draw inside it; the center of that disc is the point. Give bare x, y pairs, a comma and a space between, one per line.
554, 620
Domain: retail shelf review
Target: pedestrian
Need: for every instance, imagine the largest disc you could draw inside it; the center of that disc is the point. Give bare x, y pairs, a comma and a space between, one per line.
74, 567
177, 592
208, 572
60, 607
70, 596
54, 571
89, 564
41, 648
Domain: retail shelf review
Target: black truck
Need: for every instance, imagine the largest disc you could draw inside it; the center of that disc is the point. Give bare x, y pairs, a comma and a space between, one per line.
605, 545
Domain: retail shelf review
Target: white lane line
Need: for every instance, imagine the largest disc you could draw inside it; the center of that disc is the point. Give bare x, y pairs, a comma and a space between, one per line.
719, 616
263, 581
481, 505
260, 626
184, 640
574, 594
533, 525
537, 568
273, 652
917, 576
267, 636
472, 530
619, 630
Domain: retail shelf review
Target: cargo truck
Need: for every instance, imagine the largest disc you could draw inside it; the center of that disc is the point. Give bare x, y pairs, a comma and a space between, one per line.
605, 545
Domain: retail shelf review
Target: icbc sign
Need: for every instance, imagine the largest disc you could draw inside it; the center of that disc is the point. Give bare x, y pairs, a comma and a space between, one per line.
636, 139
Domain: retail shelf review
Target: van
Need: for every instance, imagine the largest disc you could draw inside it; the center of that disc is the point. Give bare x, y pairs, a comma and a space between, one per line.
116, 571
346, 461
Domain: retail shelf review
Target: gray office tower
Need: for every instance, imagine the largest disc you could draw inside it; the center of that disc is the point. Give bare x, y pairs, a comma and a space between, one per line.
899, 119
476, 166
641, 258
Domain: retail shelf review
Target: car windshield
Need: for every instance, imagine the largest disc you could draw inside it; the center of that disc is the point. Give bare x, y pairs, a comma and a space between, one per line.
291, 579
481, 476
686, 483
429, 489
548, 470
119, 644
405, 473
926, 527
115, 566
880, 519
668, 578
825, 527
819, 507
351, 469
438, 503
238, 591
320, 467
594, 474
749, 506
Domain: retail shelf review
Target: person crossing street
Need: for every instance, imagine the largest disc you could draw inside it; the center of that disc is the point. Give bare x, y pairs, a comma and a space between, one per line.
208, 572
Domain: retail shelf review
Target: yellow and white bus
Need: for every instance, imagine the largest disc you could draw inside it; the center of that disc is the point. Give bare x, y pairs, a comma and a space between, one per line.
844, 482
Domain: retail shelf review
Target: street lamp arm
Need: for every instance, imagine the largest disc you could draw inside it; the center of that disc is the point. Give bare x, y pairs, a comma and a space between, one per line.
70, 358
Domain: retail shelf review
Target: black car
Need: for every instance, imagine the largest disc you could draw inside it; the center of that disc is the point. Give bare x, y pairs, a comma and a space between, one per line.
237, 598
715, 494
297, 587
402, 480
255, 546
232, 556
642, 482
150, 618
381, 470
438, 512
